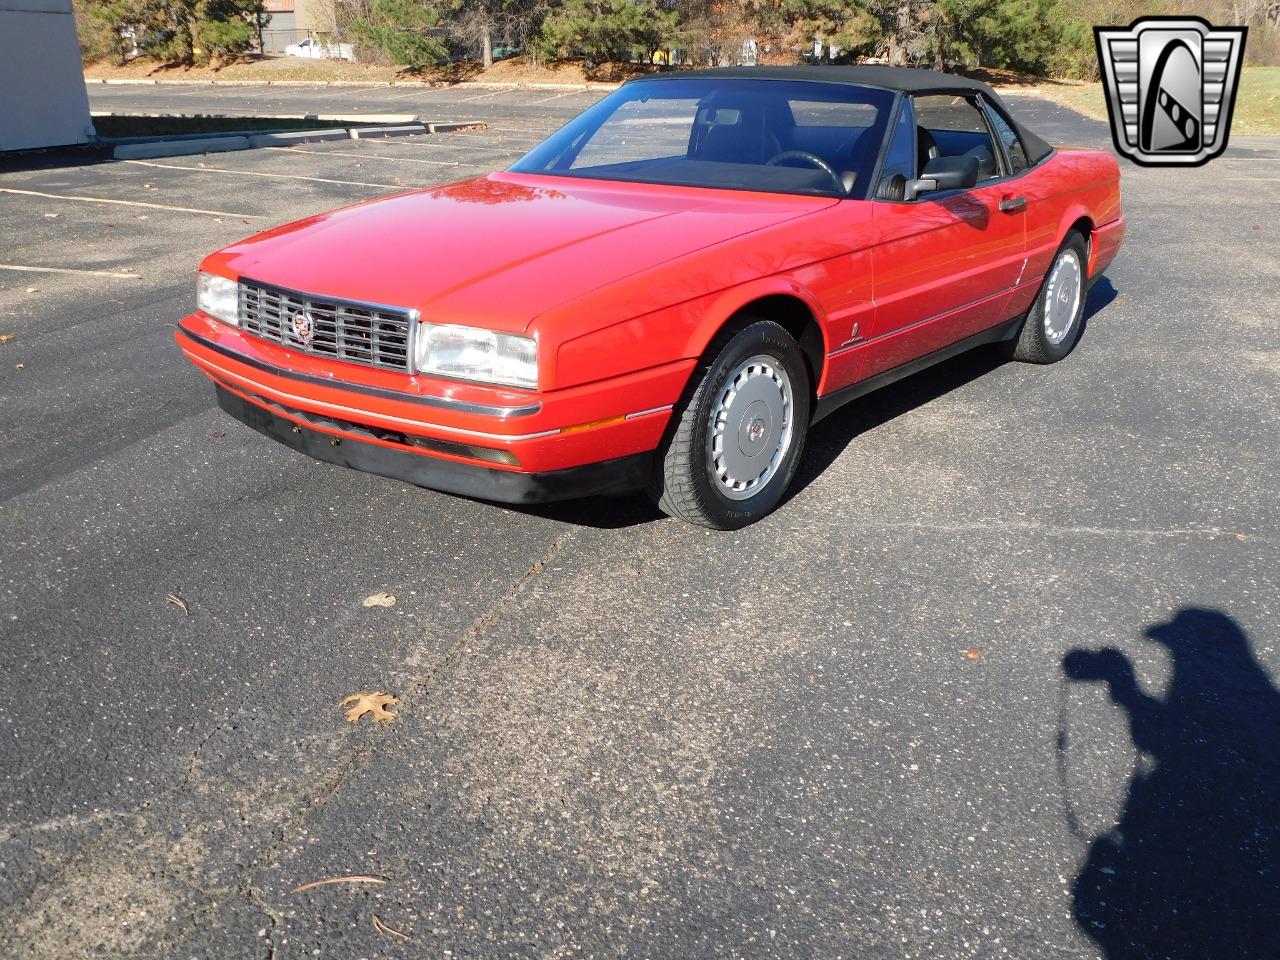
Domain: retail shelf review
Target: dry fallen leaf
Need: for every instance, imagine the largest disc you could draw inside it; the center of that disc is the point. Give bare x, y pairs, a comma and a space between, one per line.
177, 601
33, 289
383, 928
380, 600
354, 878
6, 337
374, 704
19, 366
973, 654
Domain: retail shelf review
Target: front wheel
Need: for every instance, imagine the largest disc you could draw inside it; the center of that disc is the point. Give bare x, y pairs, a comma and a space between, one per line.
1053, 323
738, 438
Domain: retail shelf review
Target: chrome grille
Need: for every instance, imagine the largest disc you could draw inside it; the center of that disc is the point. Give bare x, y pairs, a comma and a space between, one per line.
354, 332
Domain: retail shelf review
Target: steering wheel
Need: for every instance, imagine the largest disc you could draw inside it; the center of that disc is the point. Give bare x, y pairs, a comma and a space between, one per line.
812, 159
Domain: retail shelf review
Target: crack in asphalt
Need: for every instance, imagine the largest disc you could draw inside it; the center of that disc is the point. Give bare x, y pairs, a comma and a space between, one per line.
419, 687
356, 758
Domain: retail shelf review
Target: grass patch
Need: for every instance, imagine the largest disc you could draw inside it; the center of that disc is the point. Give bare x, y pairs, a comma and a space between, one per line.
117, 125
1257, 110
1258, 102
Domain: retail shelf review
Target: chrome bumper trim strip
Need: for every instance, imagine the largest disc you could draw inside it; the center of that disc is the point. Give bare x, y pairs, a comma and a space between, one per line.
364, 415
445, 403
645, 413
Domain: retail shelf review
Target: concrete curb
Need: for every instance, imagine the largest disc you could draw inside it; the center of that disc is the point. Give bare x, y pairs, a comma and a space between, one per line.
179, 148
372, 84
291, 137
368, 133
393, 118
320, 117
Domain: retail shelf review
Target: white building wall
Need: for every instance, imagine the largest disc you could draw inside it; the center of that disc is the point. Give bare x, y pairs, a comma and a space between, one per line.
43, 102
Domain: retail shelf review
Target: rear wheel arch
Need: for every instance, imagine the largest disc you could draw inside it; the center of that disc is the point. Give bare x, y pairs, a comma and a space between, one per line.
1083, 225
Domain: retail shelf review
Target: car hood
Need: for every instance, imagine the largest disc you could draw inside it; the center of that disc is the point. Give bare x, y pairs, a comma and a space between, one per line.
500, 250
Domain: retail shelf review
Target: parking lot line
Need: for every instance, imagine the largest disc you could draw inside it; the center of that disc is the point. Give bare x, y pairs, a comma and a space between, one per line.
118, 274
482, 96
373, 156
422, 92
468, 152
130, 203
260, 173
567, 93
354, 91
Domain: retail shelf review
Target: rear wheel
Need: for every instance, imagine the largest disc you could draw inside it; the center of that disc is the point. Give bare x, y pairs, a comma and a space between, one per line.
1053, 324
739, 436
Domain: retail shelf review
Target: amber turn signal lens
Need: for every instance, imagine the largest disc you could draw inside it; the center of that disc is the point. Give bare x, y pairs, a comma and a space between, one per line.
579, 427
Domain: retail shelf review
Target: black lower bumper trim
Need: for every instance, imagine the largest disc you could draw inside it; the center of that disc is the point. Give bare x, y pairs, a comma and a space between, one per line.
484, 483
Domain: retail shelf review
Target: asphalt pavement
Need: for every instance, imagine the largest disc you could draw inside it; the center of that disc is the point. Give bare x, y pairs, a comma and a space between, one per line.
998, 680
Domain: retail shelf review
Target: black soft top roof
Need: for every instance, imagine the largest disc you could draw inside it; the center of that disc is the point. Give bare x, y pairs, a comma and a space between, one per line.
904, 79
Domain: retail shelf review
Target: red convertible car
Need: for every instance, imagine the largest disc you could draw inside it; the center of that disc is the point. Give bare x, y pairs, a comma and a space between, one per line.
667, 293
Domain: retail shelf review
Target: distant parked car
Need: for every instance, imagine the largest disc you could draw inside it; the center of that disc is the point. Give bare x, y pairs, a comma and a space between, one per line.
313, 49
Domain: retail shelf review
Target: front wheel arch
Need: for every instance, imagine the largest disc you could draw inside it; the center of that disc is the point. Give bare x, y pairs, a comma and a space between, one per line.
789, 311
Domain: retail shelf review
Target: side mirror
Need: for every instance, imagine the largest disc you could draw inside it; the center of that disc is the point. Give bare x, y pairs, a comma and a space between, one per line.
945, 173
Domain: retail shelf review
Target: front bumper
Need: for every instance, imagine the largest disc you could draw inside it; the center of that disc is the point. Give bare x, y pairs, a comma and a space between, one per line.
487, 442
469, 480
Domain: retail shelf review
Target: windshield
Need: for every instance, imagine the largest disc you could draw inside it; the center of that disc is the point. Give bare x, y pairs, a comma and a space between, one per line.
775, 136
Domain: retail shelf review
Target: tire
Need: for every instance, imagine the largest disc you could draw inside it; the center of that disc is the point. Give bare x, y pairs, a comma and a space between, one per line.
738, 438
1054, 321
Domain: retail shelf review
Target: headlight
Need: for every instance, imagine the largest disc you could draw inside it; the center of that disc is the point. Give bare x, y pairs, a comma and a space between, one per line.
471, 353
217, 296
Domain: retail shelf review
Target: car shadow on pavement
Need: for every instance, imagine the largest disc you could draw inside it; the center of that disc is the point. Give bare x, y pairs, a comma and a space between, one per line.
828, 438
1097, 299
603, 512
1192, 868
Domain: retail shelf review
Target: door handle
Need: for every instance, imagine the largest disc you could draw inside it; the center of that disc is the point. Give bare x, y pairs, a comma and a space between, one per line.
1009, 204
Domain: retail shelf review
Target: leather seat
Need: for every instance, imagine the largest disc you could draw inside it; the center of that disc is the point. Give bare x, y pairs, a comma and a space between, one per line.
740, 142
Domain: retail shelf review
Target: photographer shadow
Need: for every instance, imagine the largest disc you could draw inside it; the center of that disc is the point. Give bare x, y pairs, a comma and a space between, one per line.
1192, 869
